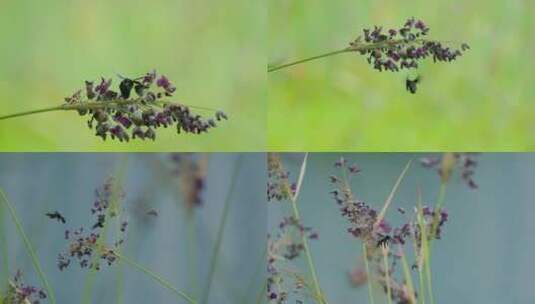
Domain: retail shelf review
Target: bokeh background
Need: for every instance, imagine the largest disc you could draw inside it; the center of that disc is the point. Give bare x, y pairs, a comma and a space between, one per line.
176, 244
213, 51
481, 102
486, 251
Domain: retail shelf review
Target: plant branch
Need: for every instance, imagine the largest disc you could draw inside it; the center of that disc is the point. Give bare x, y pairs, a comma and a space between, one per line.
353, 48
275, 68
368, 273
312, 269
95, 105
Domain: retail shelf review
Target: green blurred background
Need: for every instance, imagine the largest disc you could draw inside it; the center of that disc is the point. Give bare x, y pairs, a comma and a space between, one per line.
483, 101
214, 52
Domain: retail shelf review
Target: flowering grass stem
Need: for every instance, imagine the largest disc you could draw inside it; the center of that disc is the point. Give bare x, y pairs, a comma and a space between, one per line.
384, 250
354, 48
407, 274
95, 105
29, 248
101, 240
368, 273
317, 290
425, 253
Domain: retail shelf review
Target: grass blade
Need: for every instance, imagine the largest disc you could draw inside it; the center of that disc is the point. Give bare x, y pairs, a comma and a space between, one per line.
384, 250
407, 274
392, 192
317, 289
29, 248
157, 278
4, 276
368, 274
219, 240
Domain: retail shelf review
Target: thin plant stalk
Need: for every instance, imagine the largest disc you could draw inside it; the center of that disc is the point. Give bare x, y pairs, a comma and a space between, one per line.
368, 274
295, 210
392, 192
90, 278
384, 250
438, 206
219, 239
93, 105
29, 248
407, 274
275, 68
157, 278
3, 244
120, 274
419, 254
425, 249
261, 295
355, 48
192, 237
259, 271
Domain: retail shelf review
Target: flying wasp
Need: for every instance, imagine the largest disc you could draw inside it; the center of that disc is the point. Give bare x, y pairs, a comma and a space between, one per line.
411, 84
56, 215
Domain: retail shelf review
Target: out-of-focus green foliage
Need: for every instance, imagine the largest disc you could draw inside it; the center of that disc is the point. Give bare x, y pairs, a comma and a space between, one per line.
483, 101
212, 50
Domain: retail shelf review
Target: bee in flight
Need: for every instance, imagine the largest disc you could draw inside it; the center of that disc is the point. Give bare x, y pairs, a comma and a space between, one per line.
411, 84
56, 215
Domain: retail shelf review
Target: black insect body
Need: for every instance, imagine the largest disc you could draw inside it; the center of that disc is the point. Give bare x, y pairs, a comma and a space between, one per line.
126, 86
100, 221
411, 85
383, 242
56, 215
152, 212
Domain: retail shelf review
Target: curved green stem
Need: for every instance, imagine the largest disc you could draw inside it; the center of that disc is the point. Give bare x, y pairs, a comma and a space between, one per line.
56, 108
275, 68
29, 248
156, 277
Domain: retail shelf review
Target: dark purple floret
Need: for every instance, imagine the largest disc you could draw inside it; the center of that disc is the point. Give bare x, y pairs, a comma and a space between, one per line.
103, 86
164, 83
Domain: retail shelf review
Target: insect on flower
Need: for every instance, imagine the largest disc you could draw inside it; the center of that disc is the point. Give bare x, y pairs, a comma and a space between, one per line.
127, 84
383, 242
56, 215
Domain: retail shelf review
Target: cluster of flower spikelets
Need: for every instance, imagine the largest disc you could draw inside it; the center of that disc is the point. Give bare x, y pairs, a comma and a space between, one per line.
124, 116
